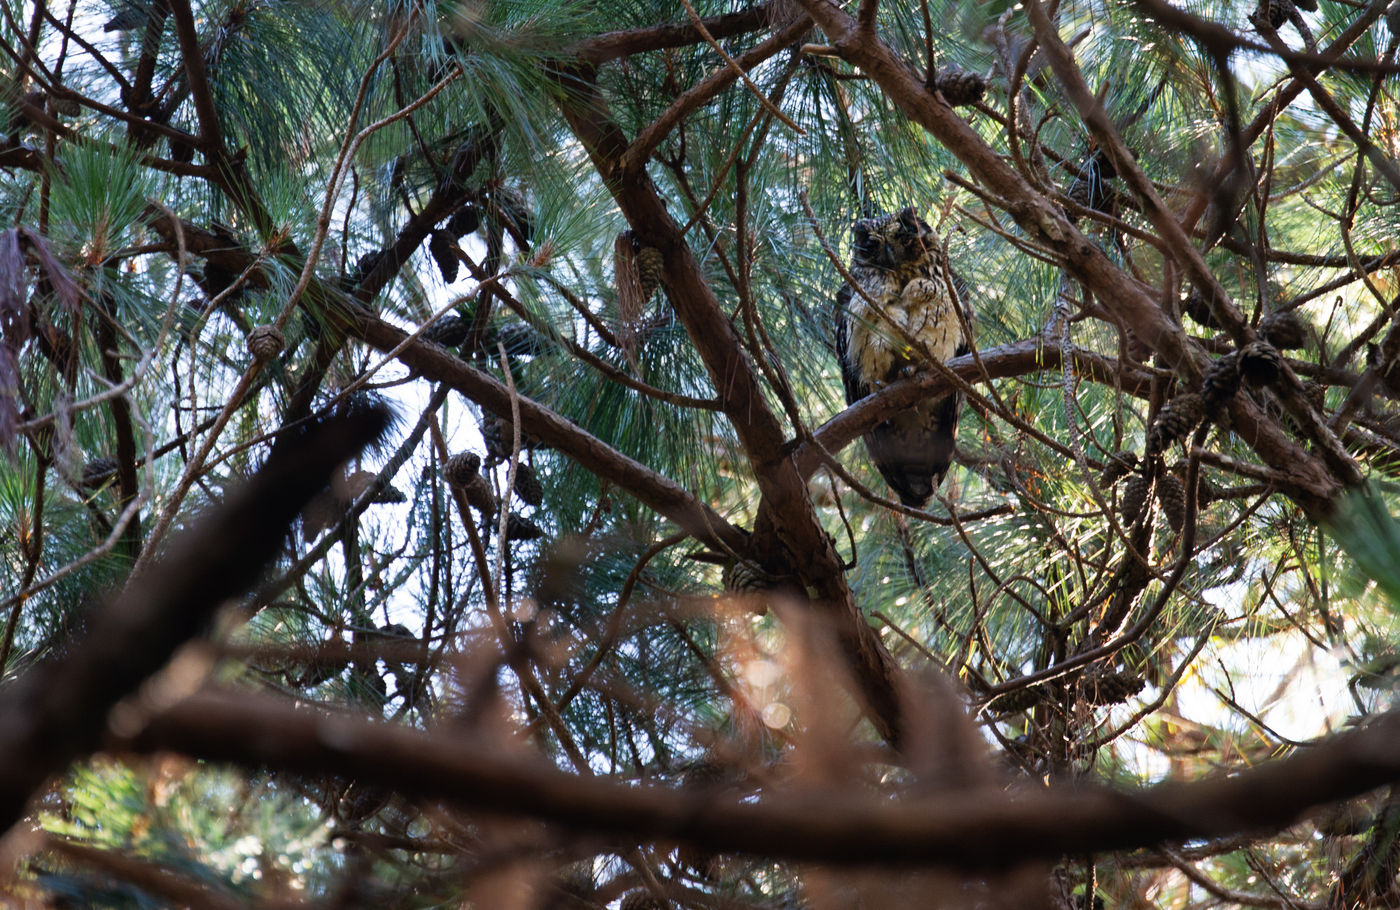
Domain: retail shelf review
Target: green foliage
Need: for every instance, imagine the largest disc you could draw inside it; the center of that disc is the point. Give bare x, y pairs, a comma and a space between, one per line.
601, 642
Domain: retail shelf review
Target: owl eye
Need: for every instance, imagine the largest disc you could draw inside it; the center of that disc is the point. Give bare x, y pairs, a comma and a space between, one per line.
866, 244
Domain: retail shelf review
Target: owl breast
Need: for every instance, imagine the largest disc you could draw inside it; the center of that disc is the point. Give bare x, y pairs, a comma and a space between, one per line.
920, 304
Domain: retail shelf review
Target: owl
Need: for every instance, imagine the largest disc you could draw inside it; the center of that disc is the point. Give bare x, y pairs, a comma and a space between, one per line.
901, 266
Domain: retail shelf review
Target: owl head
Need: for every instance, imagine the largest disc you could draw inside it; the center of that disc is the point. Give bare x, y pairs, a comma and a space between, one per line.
889, 241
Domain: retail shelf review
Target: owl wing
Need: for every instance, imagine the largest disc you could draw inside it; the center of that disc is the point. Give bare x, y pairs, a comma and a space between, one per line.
856, 387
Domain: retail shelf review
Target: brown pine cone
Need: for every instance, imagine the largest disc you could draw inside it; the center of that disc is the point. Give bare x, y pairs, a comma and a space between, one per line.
1134, 503
461, 468
1260, 363
960, 87
1111, 687
1172, 495
706, 775
641, 900
265, 342
449, 331
1221, 383
1284, 330
498, 434
528, 486
1118, 466
1196, 307
479, 496
1177, 418
464, 220
181, 151
743, 576
650, 266
518, 527
1090, 191
99, 472
1275, 12
1315, 393
1017, 700
443, 247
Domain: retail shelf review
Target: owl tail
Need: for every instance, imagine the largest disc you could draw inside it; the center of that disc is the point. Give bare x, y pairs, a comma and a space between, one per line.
914, 449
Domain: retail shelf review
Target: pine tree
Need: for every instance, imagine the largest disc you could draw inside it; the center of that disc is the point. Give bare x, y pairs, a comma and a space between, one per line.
558, 279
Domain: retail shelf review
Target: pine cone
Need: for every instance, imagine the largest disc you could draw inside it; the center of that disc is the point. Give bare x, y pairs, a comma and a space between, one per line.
99, 472
743, 576
1111, 687
1119, 465
498, 433
1284, 330
1196, 307
443, 247
641, 900
650, 266
1090, 191
705, 775
1316, 394
960, 87
1134, 502
181, 152
1172, 495
462, 468
265, 342
1017, 700
364, 265
1221, 383
1275, 12
464, 221
449, 331
520, 340
1177, 418
1260, 363
480, 497
528, 486
518, 527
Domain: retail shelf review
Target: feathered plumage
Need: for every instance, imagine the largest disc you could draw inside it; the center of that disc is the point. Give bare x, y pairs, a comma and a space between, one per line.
908, 290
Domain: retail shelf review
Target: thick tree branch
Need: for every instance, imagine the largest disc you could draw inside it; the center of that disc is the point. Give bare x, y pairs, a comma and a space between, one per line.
211, 132
600, 49
56, 712
982, 828
789, 511
434, 363
1019, 358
